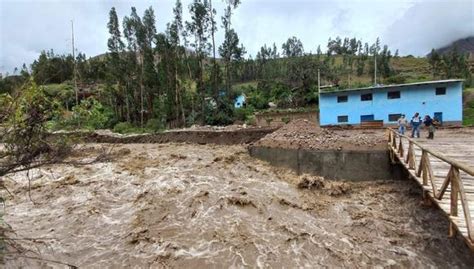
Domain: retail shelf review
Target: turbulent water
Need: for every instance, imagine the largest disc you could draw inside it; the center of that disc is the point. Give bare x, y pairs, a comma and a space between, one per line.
190, 206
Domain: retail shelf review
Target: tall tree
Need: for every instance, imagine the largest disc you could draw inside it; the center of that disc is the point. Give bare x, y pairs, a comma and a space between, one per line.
230, 50
199, 28
115, 64
150, 82
293, 47
175, 30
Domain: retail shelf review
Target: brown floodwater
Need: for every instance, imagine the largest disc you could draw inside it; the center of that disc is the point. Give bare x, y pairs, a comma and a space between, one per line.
208, 206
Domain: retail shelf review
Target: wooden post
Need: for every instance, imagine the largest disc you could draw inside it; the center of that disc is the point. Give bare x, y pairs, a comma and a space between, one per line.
465, 204
421, 166
411, 156
394, 141
454, 202
400, 148
445, 185
430, 175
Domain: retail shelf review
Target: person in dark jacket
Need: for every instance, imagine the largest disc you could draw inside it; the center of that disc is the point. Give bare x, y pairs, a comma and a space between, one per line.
428, 121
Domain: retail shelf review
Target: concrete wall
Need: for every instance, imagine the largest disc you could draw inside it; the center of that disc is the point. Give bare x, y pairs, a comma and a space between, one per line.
413, 98
277, 117
332, 164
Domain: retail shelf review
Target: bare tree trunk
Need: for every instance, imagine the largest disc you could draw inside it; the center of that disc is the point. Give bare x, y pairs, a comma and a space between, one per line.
127, 104
214, 68
176, 88
141, 92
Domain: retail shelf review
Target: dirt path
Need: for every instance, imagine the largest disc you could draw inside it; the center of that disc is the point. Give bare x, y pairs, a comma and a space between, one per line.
208, 206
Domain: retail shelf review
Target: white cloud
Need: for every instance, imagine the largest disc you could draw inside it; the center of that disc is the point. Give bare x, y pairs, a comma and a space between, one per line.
29, 26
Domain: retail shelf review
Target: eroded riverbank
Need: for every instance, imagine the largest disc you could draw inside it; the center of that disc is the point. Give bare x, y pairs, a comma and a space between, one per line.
208, 206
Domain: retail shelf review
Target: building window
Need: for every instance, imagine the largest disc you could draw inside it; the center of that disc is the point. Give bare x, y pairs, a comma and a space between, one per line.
342, 119
366, 97
393, 95
394, 117
365, 118
342, 99
441, 91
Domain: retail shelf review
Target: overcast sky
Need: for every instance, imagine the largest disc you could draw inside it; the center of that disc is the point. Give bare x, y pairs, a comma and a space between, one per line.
414, 27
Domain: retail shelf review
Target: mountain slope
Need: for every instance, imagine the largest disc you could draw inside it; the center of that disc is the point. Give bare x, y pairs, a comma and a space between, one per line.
464, 45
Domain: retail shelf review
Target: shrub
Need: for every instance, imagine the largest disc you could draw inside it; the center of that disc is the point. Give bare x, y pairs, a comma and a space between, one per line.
154, 125
251, 120
243, 114
223, 114
124, 128
89, 114
397, 79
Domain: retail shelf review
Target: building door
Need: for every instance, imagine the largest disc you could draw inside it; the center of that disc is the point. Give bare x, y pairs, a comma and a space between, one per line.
439, 116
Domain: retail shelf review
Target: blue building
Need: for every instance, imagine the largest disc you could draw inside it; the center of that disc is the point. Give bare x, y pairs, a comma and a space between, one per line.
239, 101
441, 99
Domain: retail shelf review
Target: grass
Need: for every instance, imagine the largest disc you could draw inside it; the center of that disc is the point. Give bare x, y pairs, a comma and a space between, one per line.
468, 111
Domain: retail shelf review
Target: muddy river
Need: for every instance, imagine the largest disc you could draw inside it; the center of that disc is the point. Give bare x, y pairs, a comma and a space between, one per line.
207, 206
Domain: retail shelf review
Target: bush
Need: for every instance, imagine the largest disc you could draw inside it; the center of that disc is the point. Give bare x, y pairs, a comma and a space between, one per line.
124, 128
243, 114
397, 79
251, 120
5, 104
223, 114
89, 114
154, 125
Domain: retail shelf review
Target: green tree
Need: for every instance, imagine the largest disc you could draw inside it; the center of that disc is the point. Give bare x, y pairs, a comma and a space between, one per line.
116, 68
199, 27
293, 47
230, 50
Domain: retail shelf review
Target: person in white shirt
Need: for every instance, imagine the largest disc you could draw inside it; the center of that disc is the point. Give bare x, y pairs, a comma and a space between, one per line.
402, 124
415, 124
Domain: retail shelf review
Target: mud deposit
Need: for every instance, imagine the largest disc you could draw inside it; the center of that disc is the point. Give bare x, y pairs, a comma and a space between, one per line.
305, 134
208, 206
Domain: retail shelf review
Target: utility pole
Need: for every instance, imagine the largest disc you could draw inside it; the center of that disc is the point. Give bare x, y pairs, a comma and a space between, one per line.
375, 69
319, 83
74, 65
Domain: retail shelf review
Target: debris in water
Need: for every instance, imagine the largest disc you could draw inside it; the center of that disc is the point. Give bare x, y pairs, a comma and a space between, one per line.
311, 182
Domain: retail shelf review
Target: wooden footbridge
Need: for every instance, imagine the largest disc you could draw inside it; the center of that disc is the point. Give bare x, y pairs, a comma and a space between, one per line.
445, 171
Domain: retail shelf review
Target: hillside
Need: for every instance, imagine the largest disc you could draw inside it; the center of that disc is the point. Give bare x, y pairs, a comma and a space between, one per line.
464, 45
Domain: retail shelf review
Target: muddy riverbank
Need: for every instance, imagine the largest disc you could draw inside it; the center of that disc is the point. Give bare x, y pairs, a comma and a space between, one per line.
222, 136
210, 206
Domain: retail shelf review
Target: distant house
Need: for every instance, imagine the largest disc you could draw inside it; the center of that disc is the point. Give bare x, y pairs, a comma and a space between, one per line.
239, 101
441, 99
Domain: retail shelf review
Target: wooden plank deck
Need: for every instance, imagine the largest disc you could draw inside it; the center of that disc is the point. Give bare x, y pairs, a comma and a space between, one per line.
451, 151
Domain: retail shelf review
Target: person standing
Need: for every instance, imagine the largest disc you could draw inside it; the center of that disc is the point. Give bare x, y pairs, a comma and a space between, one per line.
415, 125
428, 121
402, 124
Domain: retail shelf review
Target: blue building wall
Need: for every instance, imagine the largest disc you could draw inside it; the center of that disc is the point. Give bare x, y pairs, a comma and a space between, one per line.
239, 101
413, 98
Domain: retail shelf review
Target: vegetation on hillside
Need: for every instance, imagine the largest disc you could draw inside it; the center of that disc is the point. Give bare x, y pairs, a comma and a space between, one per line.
181, 77
468, 111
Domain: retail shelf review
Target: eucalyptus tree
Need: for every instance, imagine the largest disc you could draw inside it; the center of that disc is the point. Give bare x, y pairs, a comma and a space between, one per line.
199, 28
115, 66
149, 74
140, 35
133, 74
293, 47
230, 50
175, 31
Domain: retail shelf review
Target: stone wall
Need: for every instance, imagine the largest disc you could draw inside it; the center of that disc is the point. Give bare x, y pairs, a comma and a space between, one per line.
332, 164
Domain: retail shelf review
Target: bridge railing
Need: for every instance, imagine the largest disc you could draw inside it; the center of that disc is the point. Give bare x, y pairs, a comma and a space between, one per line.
423, 170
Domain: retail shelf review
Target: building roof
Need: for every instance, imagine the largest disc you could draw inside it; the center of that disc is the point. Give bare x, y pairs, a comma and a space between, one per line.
395, 85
